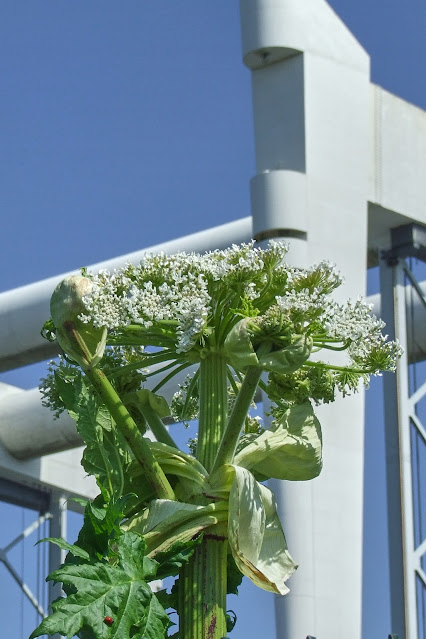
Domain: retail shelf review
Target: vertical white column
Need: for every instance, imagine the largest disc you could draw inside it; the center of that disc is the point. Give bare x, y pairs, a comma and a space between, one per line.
310, 81
402, 558
58, 528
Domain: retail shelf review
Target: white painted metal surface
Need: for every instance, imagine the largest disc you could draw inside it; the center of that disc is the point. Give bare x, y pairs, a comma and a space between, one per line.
60, 471
397, 156
317, 91
58, 529
402, 425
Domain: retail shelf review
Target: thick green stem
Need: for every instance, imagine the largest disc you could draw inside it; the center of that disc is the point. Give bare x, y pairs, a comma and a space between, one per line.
213, 407
202, 582
140, 448
235, 424
202, 590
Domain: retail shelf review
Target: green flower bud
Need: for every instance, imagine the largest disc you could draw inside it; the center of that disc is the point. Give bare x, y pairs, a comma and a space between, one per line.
267, 342
82, 342
66, 303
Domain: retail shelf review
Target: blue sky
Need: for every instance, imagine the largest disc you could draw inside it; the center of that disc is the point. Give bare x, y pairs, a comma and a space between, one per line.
123, 125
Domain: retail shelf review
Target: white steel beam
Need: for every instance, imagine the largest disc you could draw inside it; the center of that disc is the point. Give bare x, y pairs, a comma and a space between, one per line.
57, 529
24, 310
402, 424
61, 471
397, 161
311, 101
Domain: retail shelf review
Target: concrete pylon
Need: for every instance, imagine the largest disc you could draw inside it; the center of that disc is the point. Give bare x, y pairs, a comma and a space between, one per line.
311, 92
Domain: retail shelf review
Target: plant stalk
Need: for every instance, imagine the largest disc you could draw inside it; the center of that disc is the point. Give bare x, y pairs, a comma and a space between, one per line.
202, 589
226, 451
213, 407
159, 430
141, 450
202, 582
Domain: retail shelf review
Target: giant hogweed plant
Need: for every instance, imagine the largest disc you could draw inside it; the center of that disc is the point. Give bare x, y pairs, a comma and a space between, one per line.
238, 320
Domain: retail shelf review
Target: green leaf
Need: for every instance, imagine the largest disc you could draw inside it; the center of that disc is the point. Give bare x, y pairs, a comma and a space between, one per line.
168, 522
231, 620
101, 525
292, 450
255, 534
131, 549
172, 559
66, 390
101, 589
105, 455
234, 576
64, 545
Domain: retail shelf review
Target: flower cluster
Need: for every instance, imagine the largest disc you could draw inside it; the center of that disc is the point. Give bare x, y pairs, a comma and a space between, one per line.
184, 289
52, 389
121, 364
249, 304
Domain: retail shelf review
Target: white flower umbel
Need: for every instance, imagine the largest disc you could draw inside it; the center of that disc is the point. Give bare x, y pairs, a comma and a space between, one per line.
190, 302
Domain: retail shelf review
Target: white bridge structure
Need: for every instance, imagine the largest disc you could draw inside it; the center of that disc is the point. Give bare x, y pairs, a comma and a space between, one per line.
341, 172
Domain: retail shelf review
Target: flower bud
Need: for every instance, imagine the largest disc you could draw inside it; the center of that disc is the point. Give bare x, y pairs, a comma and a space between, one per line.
254, 342
82, 342
66, 303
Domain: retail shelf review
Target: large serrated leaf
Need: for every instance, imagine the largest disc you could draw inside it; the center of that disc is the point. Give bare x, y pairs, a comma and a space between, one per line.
105, 456
104, 590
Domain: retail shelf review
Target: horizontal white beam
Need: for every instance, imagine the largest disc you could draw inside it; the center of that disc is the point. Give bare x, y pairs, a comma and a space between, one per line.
397, 163
29, 430
58, 471
24, 310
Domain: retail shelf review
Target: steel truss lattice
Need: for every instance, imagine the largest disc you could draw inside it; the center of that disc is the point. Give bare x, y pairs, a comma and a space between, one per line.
10, 568
54, 512
402, 296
